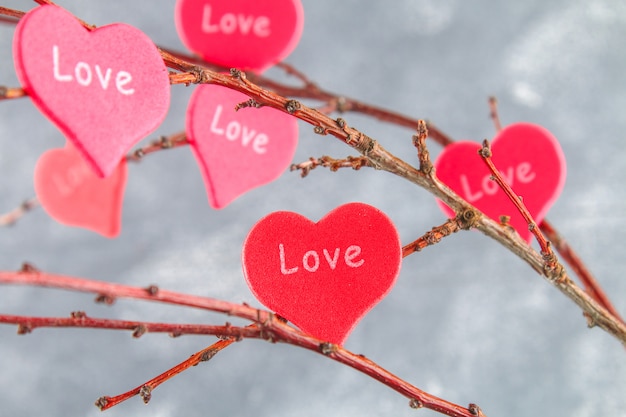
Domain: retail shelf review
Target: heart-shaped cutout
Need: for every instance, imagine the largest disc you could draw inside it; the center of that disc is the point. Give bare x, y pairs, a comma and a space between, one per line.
237, 150
530, 160
246, 34
73, 195
325, 276
105, 89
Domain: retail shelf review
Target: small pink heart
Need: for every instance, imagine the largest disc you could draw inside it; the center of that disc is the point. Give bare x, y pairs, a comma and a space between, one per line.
325, 276
247, 34
72, 194
237, 150
105, 89
530, 160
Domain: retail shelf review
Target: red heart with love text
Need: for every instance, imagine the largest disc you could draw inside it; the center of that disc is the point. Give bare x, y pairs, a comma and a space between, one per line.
237, 150
246, 34
73, 195
325, 276
529, 158
105, 89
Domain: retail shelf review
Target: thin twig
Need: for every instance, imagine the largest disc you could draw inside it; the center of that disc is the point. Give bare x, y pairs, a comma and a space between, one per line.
432, 237
493, 113
145, 389
8, 93
549, 256
10, 218
354, 162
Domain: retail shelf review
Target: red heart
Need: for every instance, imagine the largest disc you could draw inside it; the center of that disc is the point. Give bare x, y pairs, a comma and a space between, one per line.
237, 151
529, 158
105, 89
247, 34
72, 194
323, 276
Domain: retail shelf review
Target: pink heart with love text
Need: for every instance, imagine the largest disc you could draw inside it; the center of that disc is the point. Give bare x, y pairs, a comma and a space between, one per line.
73, 195
237, 150
325, 276
246, 34
105, 89
529, 158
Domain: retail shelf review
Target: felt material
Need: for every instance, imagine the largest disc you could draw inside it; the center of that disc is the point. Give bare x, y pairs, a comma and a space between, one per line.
105, 89
72, 194
325, 276
246, 34
237, 150
530, 160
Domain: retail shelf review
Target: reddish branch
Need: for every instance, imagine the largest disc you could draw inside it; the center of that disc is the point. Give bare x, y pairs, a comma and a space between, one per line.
267, 326
354, 162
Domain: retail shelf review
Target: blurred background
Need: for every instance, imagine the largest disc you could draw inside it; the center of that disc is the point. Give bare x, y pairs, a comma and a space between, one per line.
467, 320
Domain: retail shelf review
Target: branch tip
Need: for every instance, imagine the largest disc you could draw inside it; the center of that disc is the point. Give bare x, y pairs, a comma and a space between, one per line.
102, 403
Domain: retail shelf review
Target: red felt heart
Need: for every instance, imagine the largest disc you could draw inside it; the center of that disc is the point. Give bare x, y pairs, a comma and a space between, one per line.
529, 158
323, 276
247, 34
105, 89
237, 150
72, 194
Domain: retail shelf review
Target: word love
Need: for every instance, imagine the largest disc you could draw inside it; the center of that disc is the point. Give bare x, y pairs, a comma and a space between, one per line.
237, 150
234, 130
325, 276
250, 35
105, 89
521, 173
230, 23
84, 74
311, 259
73, 195
530, 160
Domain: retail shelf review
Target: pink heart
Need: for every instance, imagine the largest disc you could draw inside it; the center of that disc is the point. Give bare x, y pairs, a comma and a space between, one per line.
105, 89
529, 158
237, 151
72, 194
247, 34
325, 276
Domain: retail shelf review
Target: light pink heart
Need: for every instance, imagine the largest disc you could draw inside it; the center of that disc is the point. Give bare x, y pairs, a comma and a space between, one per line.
73, 195
105, 89
325, 276
237, 150
246, 34
531, 161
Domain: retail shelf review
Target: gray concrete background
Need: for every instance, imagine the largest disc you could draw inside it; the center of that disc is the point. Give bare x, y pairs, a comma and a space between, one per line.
467, 320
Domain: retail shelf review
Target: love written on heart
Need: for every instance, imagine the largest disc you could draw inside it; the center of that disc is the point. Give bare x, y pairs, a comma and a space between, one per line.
325, 276
530, 160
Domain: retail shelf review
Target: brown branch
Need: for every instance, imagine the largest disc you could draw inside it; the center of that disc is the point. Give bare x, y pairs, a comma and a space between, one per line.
8, 93
145, 389
270, 328
9, 219
551, 263
592, 287
493, 113
354, 162
78, 319
432, 237
162, 143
